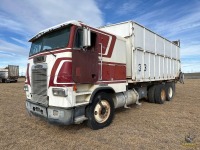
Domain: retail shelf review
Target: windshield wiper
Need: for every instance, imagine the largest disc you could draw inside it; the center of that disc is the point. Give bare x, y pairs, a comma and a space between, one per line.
47, 50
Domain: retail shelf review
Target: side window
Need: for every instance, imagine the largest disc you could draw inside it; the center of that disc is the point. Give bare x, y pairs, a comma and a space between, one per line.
78, 40
93, 41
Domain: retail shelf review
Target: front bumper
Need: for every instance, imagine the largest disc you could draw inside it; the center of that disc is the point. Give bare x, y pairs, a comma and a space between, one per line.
52, 114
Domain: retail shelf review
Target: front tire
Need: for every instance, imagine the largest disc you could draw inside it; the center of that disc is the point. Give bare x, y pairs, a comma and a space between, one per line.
100, 112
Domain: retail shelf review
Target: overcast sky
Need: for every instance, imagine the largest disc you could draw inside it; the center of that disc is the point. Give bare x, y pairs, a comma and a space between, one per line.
22, 19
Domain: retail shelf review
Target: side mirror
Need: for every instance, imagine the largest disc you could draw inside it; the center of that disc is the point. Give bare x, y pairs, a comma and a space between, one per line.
86, 37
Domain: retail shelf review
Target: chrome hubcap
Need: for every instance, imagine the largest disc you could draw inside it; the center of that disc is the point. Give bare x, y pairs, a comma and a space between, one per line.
102, 111
170, 92
163, 95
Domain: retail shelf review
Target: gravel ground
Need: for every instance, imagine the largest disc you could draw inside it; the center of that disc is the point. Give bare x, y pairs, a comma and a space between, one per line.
150, 126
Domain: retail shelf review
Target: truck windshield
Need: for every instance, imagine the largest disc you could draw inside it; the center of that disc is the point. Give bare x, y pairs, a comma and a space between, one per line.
53, 40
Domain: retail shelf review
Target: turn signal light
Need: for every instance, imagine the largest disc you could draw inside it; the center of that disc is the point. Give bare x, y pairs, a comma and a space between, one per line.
75, 88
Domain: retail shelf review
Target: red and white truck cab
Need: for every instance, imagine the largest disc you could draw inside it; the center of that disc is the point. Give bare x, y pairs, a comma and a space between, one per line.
76, 73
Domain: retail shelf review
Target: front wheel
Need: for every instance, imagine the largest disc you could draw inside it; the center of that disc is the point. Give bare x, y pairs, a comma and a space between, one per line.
100, 112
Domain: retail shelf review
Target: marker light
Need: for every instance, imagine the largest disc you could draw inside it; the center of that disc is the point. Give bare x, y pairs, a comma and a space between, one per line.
25, 87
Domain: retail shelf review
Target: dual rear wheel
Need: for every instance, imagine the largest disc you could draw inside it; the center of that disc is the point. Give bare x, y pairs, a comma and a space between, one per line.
160, 93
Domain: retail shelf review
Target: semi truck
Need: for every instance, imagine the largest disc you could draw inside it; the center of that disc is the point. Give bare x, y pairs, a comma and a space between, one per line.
78, 73
9, 74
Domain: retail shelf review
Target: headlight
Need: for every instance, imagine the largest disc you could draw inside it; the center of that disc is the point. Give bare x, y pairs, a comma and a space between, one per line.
59, 92
25, 87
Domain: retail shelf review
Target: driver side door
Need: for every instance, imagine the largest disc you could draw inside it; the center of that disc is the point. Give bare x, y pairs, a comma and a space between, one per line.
85, 60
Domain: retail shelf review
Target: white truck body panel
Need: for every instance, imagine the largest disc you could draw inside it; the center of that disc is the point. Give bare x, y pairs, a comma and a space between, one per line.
150, 57
13, 71
3, 73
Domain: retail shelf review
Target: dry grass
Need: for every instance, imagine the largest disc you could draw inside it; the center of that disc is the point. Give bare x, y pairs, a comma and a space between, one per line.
149, 126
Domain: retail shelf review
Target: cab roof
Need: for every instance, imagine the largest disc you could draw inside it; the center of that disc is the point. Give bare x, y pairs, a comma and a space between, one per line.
74, 22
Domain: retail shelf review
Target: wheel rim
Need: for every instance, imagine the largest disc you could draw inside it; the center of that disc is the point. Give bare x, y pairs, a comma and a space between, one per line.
163, 95
170, 92
102, 111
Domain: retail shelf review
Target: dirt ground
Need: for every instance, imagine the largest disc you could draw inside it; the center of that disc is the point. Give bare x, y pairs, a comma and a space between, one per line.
150, 126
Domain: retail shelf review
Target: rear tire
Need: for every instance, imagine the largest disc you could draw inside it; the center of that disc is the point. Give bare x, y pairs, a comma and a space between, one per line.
151, 97
160, 94
3, 80
100, 112
170, 90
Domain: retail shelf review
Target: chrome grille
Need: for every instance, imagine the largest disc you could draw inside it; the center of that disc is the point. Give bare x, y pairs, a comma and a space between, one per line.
39, 85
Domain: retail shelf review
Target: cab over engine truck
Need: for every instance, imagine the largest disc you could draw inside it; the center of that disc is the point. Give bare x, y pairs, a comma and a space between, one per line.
76, 72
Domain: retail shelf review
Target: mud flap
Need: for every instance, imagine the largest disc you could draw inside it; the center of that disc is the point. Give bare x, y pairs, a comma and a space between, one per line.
181, 77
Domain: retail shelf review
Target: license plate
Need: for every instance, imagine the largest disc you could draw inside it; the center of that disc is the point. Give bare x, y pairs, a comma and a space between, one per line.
38, 110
